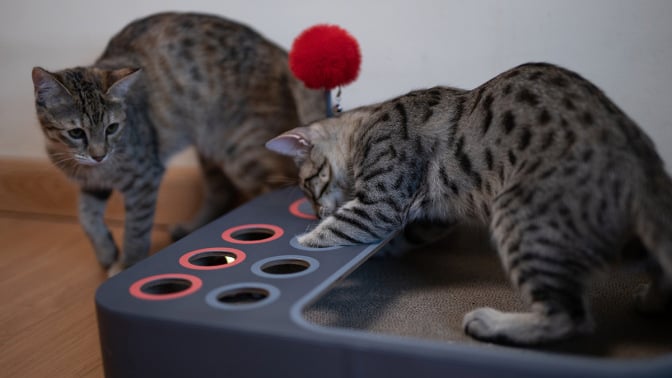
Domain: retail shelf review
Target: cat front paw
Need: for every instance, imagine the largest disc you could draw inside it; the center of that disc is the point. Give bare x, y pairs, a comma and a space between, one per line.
115, 269
313, 240
107, 254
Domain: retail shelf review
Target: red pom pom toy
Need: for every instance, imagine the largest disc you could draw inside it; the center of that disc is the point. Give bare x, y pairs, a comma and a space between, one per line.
325, 57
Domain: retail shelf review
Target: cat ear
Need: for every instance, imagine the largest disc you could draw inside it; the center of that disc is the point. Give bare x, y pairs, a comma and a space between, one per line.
121, 80
294, 143
47, 86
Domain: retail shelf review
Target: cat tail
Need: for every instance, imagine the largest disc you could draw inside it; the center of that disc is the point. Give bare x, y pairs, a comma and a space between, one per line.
653, 220
311, 105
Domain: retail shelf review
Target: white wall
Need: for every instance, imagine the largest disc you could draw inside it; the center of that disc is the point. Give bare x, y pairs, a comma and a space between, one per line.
625, 47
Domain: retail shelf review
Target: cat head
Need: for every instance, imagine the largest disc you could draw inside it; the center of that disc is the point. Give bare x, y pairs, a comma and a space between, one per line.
82, 112
321, 152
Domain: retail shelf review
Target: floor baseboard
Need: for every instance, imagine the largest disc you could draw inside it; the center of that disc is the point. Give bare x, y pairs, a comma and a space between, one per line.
35, 186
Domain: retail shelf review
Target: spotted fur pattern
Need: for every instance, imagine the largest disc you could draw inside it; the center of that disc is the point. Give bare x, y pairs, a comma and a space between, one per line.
165, 82
560, 174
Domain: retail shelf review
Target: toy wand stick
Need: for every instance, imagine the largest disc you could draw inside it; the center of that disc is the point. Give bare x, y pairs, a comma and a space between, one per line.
325, 57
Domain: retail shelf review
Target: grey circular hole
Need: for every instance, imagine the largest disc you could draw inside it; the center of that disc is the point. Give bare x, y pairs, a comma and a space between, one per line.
242, 296
287, 266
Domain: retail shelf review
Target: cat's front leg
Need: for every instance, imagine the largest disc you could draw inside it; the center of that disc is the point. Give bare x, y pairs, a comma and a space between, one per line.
140, 206
353, 223
91, 216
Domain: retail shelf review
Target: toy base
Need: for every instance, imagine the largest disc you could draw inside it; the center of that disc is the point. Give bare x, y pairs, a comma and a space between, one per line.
228, 300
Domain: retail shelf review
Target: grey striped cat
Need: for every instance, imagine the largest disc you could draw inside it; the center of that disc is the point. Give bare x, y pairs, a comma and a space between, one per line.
165, 82
560, 174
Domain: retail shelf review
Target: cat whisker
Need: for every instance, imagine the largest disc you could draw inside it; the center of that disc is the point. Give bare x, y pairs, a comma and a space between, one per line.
64, 162
294, 189
60, 155
281, 181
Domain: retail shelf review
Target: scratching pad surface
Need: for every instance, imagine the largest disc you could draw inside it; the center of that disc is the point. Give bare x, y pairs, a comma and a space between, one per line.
424, 294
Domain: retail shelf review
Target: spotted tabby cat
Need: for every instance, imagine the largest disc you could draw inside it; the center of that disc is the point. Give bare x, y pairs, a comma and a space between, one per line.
165, 82
561, 175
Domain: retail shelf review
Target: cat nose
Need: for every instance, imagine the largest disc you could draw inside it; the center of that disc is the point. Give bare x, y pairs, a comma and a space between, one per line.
98, 158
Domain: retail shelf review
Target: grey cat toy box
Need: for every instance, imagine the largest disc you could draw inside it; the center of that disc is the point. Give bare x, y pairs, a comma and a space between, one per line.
230, 299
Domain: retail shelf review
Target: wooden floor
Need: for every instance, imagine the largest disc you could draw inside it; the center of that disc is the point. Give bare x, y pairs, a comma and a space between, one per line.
49, 275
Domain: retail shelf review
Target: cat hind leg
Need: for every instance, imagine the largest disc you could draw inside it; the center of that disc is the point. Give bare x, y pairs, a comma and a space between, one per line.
219, 196
557, 312
656, 296
653, 225
553, 287
524, 328
549, 273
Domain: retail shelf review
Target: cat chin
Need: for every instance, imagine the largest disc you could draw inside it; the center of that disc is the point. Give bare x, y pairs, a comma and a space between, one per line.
89, 162
328, 207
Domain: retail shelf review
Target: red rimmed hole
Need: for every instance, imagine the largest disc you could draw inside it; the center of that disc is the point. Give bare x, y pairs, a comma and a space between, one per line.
301, 208
252, 234
165, 286
212, 258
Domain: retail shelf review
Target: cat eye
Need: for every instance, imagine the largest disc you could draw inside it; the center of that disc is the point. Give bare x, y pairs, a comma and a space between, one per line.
76, 133
112, 128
